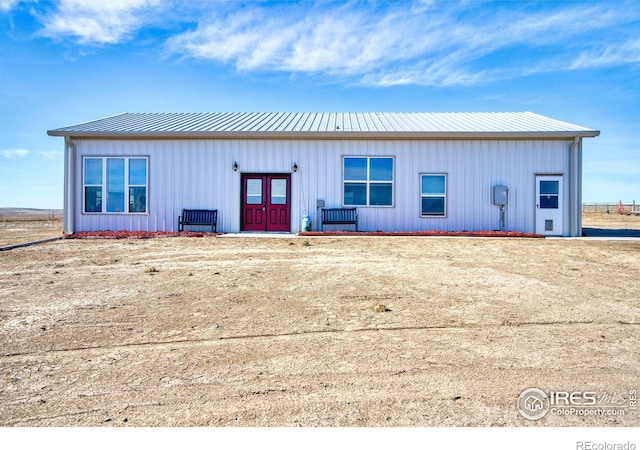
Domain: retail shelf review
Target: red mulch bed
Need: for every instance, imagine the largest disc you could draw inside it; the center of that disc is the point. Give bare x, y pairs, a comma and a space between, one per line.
165, 234
482, 233
135, 234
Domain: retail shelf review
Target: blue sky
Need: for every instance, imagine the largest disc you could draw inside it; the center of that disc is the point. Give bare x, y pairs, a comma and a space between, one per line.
70, 61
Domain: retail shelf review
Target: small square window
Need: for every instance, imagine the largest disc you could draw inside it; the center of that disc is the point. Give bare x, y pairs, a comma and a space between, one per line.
355, 169
549, 201
549, 187
381, 169
355, 194
381, 194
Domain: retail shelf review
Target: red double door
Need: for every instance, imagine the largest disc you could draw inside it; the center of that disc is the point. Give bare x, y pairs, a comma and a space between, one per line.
266, 202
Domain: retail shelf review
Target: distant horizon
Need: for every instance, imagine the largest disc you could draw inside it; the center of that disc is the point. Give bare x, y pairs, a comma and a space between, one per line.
611, 202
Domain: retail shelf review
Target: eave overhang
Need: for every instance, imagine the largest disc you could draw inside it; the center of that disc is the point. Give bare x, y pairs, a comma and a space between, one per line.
323, 135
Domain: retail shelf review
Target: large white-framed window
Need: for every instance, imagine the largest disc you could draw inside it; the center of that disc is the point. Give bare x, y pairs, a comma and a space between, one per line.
115, 184
433, 194
367, 181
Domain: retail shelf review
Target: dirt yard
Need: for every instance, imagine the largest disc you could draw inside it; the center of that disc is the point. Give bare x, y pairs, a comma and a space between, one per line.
20, 225
284, 332
613, 220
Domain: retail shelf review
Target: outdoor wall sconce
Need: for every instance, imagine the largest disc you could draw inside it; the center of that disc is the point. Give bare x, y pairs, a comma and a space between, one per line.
295, 167
235, 166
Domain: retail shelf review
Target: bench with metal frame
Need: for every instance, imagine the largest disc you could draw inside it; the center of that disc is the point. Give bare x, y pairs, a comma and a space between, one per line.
199, 217
339, 216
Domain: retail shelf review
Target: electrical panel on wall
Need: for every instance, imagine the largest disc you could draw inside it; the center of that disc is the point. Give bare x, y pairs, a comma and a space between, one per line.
500, 195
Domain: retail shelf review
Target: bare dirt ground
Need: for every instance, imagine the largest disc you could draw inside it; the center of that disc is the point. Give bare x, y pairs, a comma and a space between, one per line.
20, 225
613, 220
283, 332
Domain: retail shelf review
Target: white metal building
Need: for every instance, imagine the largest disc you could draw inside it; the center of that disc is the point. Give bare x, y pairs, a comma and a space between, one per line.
265, 171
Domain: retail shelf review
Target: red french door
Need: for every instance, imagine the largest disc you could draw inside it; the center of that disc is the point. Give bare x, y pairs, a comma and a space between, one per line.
266, 202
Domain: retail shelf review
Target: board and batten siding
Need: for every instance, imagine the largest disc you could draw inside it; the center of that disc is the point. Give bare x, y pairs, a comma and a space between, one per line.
197, 173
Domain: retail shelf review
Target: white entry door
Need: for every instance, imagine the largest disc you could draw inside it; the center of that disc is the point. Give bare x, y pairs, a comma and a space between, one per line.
549, 205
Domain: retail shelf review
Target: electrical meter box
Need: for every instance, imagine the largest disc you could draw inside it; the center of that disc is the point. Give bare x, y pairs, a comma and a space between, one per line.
500, 194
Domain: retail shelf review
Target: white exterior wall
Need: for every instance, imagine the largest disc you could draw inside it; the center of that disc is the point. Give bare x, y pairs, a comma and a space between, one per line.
198, 174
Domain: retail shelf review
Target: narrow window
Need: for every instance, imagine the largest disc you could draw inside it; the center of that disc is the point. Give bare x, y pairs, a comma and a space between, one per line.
137, 185
278, 191
368, 181
115, 185
355, 181
254, 191
93, 185
433, 194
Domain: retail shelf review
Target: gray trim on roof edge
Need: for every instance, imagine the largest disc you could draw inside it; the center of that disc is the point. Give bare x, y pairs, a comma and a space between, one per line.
342, 135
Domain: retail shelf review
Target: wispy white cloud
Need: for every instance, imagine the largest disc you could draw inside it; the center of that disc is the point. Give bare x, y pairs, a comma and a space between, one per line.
52, 155
96, 22
7, 5
369, 42
427, 43
14, 153
609, 55
17, 153
339, 40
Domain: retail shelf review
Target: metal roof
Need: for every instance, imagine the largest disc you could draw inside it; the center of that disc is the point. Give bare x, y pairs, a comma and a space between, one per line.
326, 125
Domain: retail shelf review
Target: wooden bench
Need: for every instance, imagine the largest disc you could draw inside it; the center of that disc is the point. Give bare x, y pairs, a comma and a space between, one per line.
339, 216
208, 217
